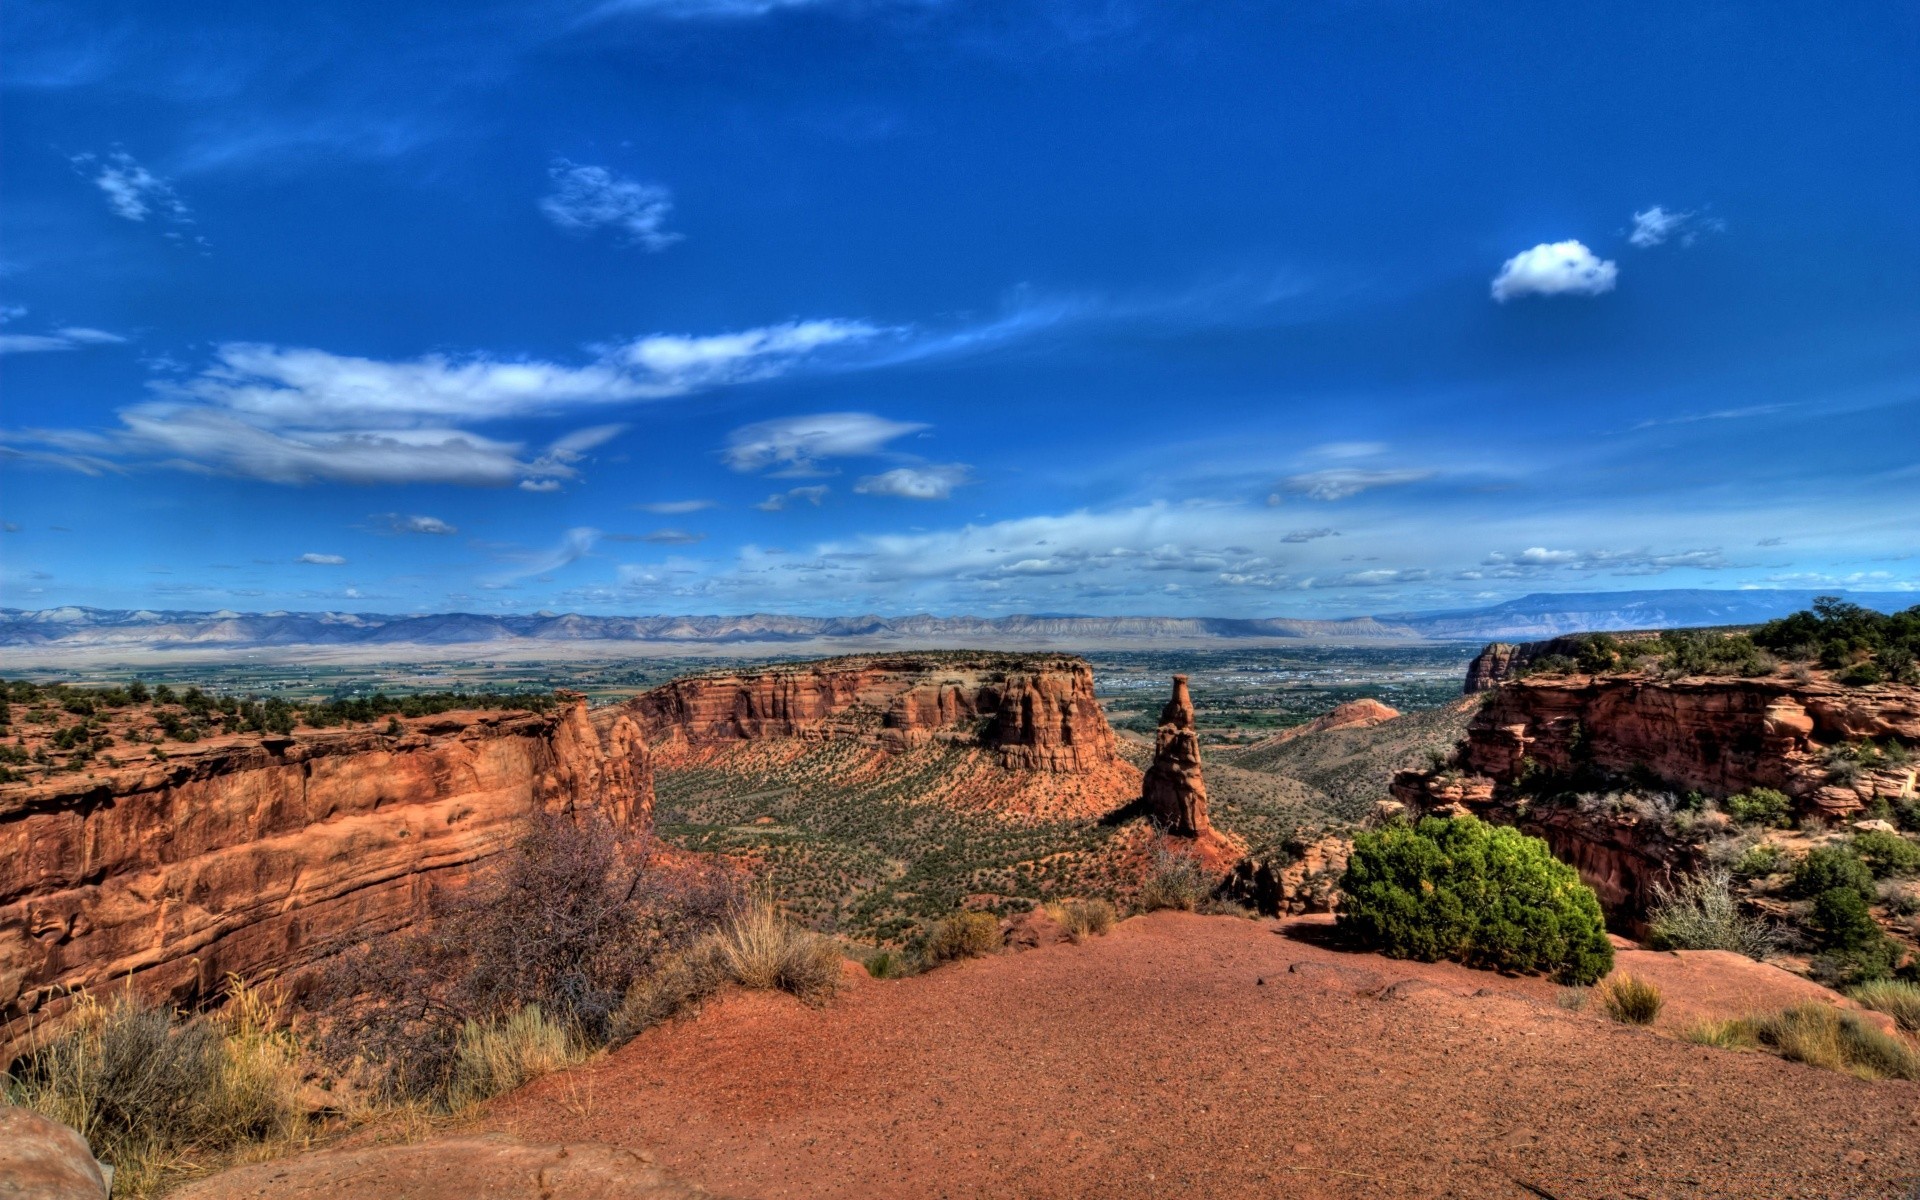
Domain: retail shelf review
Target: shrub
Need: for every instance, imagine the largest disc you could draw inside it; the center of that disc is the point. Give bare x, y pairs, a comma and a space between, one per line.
1760, 806
1083, 918
679, 982
1702, 914
1886, 854
1827, 868
1823, 1036
1173, 880
150, 1089
1895, 997
1573, 999
1843, 922
1763, 858
1629, 1000
759, 948
1482, 895
963, 935
498, 1055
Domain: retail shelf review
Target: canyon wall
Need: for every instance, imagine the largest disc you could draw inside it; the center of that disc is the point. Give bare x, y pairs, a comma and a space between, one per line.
258, 854
1036, 712
1587, 734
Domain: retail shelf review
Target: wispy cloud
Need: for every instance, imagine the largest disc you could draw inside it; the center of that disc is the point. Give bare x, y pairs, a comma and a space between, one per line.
322, 560
1554, 269
70, 338
1724, 414
675, 508
402, 523
136, 194
1539, 560
780, 500
586, 198
574, 545
1338, 483
1655, 225
795, 445
916, 483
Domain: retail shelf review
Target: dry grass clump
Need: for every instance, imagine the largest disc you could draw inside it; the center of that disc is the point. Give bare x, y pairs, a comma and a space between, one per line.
1702, 914
1820, 1036
158, 1095
1894, 997
759, 948
1083, 918
963, 935
1176, 881
499, 1055
1573, 999
1629, 1000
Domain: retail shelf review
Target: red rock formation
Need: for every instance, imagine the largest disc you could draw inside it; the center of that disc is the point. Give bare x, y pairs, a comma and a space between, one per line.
1173, 792
1354, 714
252, 854
1036, 711
1717, 735
1492, 665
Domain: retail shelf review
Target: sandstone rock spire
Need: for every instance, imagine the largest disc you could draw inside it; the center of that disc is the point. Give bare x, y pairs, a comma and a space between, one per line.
1173, 793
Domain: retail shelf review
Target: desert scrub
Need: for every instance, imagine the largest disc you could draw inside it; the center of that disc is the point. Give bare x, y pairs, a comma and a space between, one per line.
1083, 918
1173, 880
1573, 999
962, 935
1702, 914
1887, 855
156, 1093
1761, 806
1487, 896
760, 948
1629, 999
1823, 1036
499, 1055
1895, 997
1762, 858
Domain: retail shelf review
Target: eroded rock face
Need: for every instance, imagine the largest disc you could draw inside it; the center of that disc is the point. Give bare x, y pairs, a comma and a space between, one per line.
1173, 793
1718, 736
1035, 711
254, 854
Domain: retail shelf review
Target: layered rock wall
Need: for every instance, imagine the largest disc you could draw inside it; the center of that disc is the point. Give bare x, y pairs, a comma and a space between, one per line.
251, 855
1035, 712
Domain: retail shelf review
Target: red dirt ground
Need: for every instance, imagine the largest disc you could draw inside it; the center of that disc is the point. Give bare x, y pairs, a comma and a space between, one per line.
1155, 1063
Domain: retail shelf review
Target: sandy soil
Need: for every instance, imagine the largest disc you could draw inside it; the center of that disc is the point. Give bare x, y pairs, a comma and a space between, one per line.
1192, 1056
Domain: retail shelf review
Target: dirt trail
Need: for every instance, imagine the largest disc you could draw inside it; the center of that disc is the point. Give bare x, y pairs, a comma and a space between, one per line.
1154, 1062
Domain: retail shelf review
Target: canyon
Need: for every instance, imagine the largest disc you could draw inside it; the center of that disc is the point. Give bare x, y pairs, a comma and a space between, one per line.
256, 855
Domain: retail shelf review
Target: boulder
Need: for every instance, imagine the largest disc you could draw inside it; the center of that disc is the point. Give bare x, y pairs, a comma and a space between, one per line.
41, 1159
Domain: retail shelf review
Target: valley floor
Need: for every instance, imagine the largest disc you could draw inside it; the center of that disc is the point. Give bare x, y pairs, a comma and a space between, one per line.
1186, 1056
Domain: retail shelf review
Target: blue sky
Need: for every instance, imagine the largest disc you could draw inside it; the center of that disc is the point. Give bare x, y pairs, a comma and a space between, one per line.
824, 306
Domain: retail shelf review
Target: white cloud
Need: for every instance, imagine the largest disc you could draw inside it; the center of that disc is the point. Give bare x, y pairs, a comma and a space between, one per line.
135, 194
673, 537
1558, 269
1338, 483
292, 415
1538, 560
1655, 225
574, 545
420, 524
70, 338
1300, 536
585, 198
795, 444
916, 483
780, 500
322, 560
675, 508
698, 9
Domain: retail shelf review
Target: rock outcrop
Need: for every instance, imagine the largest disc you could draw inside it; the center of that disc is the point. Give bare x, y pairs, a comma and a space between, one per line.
256, 854
1718, 736
1363, 713
1173, 793
1036, 712
44, 1160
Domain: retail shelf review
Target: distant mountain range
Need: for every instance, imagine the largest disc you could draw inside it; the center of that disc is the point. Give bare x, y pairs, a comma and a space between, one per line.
1542, 615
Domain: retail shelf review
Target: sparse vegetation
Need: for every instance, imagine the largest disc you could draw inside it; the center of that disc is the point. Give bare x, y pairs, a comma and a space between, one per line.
1484, 895
1862, 645
962, 935
1897, 998
1083, 918
1629, 999
501, 1053
1701, 913
1819, 1035
1173, 880
157, 1093
760, 948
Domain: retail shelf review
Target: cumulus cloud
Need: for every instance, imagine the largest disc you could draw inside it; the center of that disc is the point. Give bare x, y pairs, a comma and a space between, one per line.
293, 415
916, 483
1338, 483
780, 500
675, 508
1557, 269
795, 445
586, 198
322, 560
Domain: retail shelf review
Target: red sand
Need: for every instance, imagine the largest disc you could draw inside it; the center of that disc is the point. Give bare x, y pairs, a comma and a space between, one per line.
1153, 1063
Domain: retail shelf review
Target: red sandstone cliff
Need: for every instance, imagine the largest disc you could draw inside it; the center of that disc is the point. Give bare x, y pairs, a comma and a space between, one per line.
1713, 735
255, 854
1036, 712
